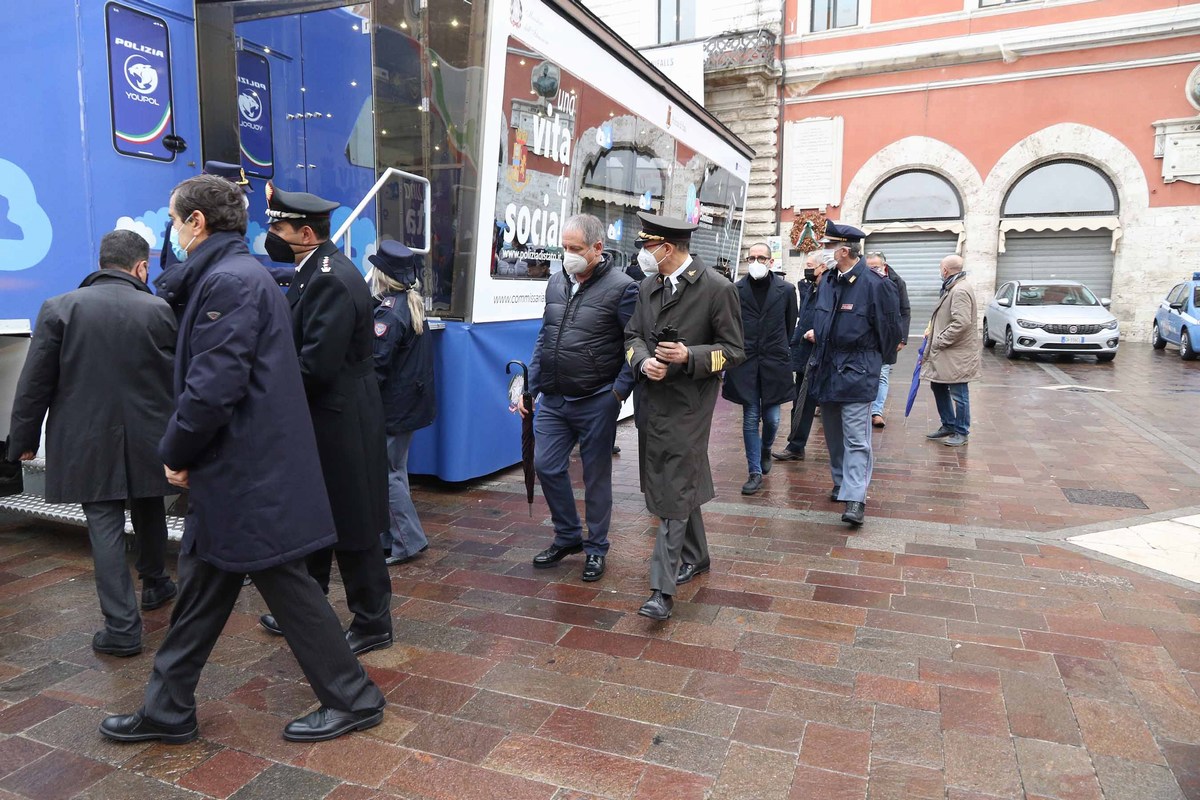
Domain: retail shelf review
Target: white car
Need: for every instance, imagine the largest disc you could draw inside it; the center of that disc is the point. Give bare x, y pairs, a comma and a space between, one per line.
1060, 317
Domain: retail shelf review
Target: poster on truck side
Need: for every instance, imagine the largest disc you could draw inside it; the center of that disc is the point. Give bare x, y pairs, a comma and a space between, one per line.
139, 82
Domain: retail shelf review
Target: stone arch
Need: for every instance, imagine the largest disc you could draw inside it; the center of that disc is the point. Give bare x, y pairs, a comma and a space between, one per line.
909, 153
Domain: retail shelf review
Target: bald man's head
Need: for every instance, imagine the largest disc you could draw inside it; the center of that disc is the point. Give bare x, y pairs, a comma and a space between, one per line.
952, 264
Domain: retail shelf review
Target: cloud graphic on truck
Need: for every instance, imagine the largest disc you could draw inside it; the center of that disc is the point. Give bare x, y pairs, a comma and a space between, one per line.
25, 214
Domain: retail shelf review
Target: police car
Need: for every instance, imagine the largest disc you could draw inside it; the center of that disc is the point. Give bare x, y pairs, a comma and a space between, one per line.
1177, 320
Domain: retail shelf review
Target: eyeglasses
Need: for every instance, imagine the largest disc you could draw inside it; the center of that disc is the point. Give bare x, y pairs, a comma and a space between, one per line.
758, 259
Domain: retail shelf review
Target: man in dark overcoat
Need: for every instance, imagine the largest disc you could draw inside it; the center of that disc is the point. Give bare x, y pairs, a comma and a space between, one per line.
856, 323
100, 361
241, 440
764, 381
686, 329
804, 408
334, 332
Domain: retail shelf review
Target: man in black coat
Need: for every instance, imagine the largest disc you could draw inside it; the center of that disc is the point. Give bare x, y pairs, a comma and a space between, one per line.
334, 331
877, 261
579, 370
241, 440
100, 362
764, 381
804, 407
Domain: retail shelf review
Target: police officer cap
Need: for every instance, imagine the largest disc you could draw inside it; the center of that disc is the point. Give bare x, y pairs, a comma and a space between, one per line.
230, 172
838, 232
296, 205
396, 261
663, 229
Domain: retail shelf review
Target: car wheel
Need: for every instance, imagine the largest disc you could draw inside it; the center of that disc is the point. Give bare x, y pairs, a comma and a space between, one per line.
1010, 346
988, 341
1156, 338
1186, 351
1104, 358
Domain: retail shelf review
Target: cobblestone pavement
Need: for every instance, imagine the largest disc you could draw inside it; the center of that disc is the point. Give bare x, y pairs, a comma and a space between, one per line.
957, 647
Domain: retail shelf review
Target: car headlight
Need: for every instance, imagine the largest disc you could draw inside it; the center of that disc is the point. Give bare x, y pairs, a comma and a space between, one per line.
1028, 323
1112, 326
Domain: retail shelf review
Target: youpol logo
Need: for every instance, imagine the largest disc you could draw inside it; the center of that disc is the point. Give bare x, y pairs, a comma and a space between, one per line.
140, 74
249, 105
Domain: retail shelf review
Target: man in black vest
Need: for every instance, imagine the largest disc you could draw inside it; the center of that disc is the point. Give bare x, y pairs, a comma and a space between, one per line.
333, 327
578, 368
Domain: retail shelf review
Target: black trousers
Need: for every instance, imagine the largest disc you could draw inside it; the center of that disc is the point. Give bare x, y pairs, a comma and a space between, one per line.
804, 409
312, 629
368, 585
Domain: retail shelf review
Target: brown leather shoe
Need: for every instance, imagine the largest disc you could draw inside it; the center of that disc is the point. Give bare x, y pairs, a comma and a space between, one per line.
878, 421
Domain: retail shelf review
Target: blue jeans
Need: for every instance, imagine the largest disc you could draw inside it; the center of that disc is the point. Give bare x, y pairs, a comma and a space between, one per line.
881, 398
404, 537
758, 443
953, 405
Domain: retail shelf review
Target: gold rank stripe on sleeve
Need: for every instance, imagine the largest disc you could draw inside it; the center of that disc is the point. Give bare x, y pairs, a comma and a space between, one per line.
718, 360
629, 356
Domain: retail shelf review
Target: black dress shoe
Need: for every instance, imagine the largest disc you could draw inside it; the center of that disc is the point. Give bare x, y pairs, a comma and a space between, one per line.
788, 455
689, 571
104, 642
764, 461
393, 561
268, 622
554, 554
855, 511
940, 433
833, 493
616, 450
136, 728
658, 606
593, 568
158, 596
752, 485
327, 723
364, 643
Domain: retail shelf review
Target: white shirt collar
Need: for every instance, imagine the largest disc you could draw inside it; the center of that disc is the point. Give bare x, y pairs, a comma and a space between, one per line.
304, 260
674, 277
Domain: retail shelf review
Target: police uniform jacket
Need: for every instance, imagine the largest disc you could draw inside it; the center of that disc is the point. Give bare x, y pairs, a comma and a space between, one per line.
856, 319
801, 349
240, 425
675, 414
100, 360
580, 347
766, 375
403, 366
334, 333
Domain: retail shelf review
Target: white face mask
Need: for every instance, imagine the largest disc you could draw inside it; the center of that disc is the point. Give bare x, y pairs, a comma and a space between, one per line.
758, 271
647, 261
828, 257
574, 263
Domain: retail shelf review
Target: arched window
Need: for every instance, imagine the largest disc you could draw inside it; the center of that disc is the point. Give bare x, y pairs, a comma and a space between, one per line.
1060, 189
913, 195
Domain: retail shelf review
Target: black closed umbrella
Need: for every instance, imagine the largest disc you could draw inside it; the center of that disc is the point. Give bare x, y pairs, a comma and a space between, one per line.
526, 401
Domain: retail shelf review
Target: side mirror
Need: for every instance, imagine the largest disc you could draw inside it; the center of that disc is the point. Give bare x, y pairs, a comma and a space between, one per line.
1106, 302
1004, 301
1177, 306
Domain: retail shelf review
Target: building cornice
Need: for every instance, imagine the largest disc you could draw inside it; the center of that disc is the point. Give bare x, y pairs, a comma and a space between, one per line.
1007, 45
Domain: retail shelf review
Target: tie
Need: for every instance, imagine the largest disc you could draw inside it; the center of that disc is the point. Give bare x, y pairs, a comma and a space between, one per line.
668, 290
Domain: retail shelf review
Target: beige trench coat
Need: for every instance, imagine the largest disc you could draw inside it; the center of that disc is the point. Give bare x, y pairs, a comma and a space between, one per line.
953, 352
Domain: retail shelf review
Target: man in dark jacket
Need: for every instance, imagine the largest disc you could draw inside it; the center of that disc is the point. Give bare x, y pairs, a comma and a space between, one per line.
241, 440
334, 332
100, 362
686, 329
855, 323
804, 407
764, 381
404, 366
877, 261
579, 370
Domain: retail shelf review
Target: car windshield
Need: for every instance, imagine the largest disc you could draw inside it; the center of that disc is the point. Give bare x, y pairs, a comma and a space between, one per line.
1055, 294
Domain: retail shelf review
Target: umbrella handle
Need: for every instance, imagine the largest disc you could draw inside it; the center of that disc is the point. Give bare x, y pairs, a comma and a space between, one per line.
521, 364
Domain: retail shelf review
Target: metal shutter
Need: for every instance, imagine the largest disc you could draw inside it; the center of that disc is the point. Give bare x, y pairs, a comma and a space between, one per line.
917, 257
1066, 255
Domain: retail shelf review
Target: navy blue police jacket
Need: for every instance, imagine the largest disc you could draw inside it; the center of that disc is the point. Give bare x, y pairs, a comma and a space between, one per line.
241, 426
801, 349
404, 366
855, 321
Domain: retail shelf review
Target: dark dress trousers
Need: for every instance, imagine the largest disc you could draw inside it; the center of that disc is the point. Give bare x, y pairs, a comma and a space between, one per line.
334, 333
257, 502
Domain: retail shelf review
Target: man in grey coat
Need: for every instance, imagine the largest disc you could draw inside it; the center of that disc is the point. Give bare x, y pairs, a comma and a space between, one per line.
100, 362
952, 355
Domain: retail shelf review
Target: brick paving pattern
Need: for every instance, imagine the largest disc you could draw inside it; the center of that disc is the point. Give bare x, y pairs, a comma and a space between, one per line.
956, 647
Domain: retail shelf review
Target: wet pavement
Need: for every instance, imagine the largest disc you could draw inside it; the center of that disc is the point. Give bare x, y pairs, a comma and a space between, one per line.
958, 646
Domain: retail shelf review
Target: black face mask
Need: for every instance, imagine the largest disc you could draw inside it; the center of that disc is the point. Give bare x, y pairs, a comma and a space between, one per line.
279, 249
810, 275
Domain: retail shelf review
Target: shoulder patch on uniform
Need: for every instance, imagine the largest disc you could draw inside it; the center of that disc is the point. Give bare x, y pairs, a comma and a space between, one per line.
718, 360
629, 356
213, 315
853, 278
388, 301
325, 264
691, 273
381, 328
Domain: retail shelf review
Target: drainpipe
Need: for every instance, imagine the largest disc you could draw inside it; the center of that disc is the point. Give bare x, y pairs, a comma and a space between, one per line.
779, 140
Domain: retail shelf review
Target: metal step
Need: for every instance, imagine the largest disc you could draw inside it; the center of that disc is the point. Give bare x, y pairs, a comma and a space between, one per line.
71, 513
